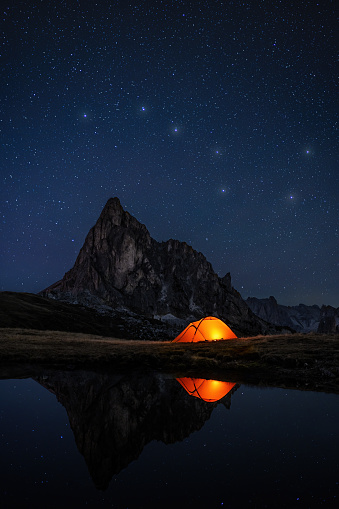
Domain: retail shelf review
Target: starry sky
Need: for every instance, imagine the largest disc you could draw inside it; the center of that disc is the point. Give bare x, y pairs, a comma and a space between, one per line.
213, 122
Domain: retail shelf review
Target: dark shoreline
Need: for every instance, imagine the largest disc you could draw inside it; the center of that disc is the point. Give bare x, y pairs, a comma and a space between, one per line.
298, 361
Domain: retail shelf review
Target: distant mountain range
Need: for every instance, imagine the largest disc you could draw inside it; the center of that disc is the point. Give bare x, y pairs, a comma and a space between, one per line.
301, 318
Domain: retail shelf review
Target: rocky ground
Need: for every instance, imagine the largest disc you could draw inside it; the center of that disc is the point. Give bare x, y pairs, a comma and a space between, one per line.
302, 361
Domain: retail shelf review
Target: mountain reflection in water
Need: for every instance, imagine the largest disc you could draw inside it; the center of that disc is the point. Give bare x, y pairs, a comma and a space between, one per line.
113, 417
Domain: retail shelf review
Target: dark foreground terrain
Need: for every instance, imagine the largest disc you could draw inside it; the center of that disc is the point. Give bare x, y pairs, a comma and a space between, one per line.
31, 311
303, 361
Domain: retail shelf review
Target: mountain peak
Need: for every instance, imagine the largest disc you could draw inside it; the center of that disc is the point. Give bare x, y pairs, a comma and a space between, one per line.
112, 209
122, 265
113, 214
112, 203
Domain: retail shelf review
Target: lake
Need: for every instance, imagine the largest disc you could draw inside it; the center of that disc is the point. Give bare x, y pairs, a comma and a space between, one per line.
85, 439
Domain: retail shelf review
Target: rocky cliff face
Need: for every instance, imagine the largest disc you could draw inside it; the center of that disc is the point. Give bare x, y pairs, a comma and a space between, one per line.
121, 266
301, 318
329, 319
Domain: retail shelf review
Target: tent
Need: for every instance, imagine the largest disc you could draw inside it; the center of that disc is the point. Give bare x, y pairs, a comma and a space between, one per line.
207, 390
206, 329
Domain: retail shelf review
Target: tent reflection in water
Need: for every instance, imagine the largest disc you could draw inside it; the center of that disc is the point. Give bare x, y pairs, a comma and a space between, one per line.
206, 329
207, 390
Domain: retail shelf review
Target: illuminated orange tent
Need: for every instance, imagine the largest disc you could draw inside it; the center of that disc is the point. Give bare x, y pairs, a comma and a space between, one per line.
206, 329
207, 390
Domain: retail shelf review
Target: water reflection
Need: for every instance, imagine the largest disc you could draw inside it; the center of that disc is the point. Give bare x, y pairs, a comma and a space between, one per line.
113, 417
275, 448
207, 390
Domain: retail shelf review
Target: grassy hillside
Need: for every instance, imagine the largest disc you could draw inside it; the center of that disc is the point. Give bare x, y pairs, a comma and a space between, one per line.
308, 361
30, 311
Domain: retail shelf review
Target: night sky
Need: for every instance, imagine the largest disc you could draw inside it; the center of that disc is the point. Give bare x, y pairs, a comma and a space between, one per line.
213, 122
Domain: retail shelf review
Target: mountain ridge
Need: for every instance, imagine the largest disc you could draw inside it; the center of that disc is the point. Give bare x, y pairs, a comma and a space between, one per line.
301, 318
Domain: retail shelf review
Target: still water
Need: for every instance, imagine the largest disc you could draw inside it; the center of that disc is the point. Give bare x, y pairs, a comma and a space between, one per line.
80, 439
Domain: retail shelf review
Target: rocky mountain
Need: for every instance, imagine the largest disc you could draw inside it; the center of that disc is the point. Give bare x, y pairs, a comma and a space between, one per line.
121, 267
329, 319
301, 318
113, 417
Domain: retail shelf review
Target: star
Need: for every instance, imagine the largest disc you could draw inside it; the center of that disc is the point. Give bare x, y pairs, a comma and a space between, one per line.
170, 129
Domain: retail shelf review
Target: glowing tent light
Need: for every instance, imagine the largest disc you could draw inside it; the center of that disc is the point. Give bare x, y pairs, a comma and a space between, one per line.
207, 390
206, 329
